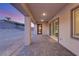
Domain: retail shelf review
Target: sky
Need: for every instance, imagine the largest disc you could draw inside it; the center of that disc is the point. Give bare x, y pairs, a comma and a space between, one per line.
7, 10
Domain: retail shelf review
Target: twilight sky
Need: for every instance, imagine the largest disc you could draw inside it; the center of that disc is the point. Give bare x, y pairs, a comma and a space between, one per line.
7, 10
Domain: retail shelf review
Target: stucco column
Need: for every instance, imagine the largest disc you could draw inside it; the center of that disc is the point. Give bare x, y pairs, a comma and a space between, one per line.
35, 29
28, 38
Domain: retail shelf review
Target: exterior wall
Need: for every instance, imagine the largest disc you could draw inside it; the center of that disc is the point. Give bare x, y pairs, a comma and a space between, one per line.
35, 29
65, 29
45, 28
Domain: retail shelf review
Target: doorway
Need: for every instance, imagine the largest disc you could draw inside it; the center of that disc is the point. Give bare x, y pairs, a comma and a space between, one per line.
39, 28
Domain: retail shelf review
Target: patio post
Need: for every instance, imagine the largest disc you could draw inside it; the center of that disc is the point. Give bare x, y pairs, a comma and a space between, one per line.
28, 38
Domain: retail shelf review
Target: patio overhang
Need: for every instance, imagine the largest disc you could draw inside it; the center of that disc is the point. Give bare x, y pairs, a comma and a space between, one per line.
23, 8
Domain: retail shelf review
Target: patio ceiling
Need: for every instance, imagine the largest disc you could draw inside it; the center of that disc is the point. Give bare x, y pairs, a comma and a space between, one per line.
36, 10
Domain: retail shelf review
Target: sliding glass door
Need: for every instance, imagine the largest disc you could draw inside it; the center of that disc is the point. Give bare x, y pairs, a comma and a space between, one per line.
55, 28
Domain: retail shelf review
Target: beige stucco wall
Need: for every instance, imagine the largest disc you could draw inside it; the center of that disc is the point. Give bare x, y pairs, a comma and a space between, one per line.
45, 28
35, 29
65, 29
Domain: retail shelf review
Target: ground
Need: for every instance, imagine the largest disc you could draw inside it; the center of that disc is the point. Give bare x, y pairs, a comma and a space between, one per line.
11, 43
43, 46
9, 35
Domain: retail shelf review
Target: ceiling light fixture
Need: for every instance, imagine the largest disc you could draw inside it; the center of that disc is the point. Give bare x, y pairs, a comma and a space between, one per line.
42, 20
44, 14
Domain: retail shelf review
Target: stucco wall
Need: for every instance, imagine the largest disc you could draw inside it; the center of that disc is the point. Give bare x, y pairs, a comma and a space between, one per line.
45, 28
35, 29
65, 29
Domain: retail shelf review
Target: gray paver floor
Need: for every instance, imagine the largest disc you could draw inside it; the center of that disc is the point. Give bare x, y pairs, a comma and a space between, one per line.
42, 46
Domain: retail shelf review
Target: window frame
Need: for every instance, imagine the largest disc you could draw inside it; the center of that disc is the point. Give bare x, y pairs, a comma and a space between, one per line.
73, 25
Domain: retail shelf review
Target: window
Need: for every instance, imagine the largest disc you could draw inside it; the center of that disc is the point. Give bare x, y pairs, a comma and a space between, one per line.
75, 22
55, 27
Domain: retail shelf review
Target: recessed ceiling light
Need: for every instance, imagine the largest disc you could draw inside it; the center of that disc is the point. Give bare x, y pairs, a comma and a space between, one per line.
44, 14
42, 20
